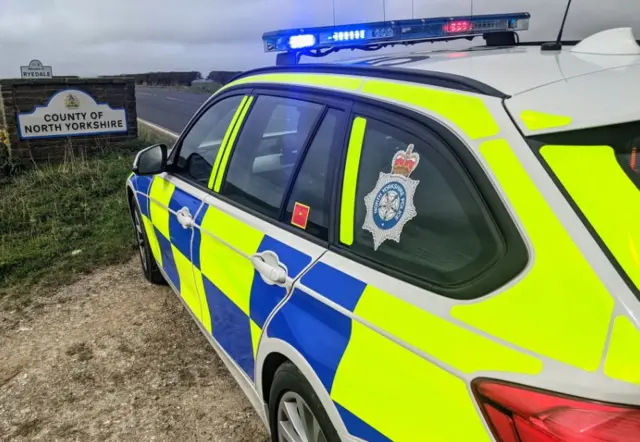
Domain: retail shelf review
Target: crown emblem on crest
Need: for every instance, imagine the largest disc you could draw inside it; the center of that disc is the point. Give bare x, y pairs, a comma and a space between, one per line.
71, 102
405, 162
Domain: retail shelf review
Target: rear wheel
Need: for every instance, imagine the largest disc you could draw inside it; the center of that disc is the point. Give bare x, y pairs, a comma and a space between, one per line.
295, 411
149, 266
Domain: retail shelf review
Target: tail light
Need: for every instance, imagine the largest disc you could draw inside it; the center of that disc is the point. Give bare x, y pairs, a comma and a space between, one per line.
522, 414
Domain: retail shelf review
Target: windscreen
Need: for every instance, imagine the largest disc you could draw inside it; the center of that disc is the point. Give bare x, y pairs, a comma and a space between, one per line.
598, 170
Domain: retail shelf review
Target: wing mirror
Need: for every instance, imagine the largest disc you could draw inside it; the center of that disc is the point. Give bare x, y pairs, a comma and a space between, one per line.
151, 160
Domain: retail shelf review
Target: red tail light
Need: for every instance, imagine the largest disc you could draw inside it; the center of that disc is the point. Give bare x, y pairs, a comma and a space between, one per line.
521, 414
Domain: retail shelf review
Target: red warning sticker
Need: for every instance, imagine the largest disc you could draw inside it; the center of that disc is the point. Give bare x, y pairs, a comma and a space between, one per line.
300, 215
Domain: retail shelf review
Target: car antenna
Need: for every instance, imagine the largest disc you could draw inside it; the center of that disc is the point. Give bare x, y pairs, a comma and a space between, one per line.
557, 45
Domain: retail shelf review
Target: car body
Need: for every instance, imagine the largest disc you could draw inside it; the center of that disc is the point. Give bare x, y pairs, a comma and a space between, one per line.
445, 245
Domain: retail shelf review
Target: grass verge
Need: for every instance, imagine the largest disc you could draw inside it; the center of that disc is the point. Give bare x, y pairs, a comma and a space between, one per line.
60, 221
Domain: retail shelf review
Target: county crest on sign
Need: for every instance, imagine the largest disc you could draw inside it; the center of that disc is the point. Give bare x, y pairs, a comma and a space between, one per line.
390, 204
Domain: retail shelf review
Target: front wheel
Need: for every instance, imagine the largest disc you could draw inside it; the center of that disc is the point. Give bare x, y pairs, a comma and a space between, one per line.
295, 411
149, 266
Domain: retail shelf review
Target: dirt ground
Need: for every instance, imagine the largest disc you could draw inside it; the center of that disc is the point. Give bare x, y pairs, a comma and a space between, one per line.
112, 357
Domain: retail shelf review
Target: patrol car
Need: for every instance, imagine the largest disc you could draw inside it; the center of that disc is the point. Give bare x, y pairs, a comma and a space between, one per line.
438, 246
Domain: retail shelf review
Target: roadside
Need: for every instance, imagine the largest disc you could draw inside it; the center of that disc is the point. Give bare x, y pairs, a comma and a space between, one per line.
112, 357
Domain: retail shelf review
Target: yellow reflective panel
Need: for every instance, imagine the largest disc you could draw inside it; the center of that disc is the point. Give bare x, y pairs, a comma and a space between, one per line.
153, 240
350, 181
560, 309
623, 357
225, 140
467, 112
402, 395
159, 197
188, 290
256, 331
230, 144
332, 81
539, 121
606, 196
231, 271
462, 349
205, 317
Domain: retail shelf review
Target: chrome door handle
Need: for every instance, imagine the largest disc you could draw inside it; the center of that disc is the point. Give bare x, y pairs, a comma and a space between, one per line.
269, 267
184, 218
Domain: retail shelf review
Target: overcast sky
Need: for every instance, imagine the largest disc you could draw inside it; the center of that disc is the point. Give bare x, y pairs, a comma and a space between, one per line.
89, 37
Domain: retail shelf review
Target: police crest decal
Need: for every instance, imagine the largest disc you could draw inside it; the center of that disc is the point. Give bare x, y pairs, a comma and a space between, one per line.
390, 203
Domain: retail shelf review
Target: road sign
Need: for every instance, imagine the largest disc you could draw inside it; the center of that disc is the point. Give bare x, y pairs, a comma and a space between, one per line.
36, 70
69, 113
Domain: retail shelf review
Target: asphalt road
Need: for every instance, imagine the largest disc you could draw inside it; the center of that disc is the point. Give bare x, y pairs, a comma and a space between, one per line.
167, 108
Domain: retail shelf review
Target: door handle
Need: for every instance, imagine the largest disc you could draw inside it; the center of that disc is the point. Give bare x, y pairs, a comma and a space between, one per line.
184, 218
269, 267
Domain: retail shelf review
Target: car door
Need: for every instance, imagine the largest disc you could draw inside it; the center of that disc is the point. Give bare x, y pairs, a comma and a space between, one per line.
176, 197
371, 318
256, 241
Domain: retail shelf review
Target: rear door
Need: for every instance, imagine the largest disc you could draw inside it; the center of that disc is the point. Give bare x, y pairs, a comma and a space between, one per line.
269, 218
415, 236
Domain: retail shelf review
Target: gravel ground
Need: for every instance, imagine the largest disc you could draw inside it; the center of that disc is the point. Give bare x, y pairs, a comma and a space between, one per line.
112, 357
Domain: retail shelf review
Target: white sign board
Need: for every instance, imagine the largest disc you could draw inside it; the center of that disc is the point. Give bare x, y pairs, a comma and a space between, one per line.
36, 70
71, 113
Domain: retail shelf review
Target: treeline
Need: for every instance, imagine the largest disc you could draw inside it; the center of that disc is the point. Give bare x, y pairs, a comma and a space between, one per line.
179, 78
222, 77
165, 78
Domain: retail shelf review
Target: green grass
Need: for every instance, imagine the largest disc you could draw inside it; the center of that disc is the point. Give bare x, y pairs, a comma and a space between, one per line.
60, 221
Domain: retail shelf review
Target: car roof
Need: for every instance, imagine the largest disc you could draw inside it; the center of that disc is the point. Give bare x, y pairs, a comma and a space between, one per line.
511, 70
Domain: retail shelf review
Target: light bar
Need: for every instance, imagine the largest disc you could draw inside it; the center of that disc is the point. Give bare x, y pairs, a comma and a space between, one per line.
392, 32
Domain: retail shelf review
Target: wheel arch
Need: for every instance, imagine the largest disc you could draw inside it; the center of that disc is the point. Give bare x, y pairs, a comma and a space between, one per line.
274, 352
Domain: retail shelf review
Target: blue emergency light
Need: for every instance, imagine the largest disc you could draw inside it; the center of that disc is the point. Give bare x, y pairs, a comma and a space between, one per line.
392, 32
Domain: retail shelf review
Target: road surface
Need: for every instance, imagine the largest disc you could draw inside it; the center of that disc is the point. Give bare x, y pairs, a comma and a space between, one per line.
167, 108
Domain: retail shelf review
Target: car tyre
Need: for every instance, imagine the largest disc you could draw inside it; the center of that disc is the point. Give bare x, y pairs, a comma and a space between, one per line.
147, 261
295, 407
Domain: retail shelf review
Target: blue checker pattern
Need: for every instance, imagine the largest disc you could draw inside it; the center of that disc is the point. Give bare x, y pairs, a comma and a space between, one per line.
343, 289
360, 428
264, 297
181, 237
230, 327
318, 332
168, 263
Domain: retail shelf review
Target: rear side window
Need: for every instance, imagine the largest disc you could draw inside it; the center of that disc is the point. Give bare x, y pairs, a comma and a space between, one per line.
272, 139
623, 138
310, 201
417, 211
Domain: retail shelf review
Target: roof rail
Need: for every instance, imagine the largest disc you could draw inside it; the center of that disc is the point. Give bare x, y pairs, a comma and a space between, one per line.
431, 78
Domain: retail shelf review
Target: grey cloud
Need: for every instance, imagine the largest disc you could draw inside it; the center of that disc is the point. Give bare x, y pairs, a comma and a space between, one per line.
87, 37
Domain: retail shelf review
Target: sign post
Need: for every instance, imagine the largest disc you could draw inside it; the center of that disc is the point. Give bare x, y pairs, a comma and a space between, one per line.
36, 70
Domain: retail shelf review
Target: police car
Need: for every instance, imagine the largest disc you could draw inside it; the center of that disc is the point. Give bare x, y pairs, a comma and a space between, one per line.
437, 246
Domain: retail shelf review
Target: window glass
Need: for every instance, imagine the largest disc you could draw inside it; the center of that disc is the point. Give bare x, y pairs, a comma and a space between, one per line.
201, 145
309, 204
267, 150
416, 201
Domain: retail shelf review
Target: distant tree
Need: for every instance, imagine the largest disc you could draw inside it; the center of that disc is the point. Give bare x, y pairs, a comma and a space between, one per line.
222, 77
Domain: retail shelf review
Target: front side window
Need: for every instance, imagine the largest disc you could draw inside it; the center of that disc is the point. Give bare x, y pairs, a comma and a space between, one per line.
201, 144
272, 138
416, 210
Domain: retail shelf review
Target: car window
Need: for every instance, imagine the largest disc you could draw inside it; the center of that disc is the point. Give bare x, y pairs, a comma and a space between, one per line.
201, 144
309, 204
273, 137
416, 211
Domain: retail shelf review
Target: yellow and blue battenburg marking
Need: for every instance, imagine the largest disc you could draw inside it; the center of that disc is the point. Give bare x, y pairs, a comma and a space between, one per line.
239, 301
218, 284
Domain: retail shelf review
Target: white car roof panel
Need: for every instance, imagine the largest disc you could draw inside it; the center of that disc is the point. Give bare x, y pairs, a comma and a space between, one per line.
512, 71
